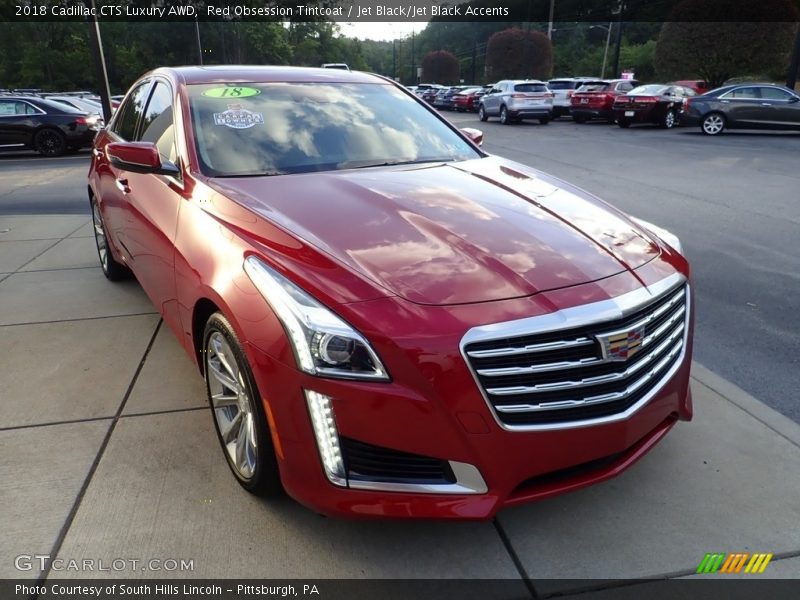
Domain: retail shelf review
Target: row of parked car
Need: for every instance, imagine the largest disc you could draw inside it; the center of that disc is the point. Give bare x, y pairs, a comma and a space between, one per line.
625, 102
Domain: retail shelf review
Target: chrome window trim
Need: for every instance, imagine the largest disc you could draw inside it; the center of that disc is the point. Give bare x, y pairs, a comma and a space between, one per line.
468, 481
581, 316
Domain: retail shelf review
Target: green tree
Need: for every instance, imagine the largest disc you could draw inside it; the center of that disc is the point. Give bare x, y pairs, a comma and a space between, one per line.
515, 52
698, 41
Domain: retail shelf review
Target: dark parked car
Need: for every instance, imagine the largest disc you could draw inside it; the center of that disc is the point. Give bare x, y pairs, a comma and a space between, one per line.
596, 100
445, 98
46, 126
744, 106
655, 103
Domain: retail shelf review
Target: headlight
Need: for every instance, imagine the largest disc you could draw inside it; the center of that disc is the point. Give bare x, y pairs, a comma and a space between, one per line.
669, 237
323, 344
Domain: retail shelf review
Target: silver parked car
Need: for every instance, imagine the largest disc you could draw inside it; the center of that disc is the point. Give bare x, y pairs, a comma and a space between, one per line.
516, 99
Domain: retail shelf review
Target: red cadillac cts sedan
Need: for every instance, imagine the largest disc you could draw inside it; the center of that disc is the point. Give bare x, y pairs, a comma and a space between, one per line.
390, 322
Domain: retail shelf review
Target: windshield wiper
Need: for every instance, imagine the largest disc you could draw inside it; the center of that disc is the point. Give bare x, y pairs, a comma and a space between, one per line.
366, 164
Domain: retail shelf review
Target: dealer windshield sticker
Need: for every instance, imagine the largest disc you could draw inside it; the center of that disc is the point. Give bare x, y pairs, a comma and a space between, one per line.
237, 117
231, 92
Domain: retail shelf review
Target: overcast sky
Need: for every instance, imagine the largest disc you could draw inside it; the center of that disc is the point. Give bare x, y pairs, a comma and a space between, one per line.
381, 31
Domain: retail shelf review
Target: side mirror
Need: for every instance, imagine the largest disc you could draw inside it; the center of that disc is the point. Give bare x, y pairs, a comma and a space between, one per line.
476, 135
139, 157
794, 99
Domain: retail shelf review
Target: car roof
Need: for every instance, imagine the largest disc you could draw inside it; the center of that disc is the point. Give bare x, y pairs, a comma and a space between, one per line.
190, 75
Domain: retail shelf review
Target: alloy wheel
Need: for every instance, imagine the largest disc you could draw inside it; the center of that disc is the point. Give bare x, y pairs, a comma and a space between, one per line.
232, 405
50, 142
713, 124
100, 236
669, 120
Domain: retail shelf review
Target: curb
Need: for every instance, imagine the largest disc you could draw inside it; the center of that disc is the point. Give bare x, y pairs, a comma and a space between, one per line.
777, 422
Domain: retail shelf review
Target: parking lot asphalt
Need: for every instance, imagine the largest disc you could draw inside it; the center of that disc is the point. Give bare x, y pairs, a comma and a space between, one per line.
107, 448
108, 451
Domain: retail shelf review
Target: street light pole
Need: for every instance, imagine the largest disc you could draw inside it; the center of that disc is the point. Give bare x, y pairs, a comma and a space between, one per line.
100, 65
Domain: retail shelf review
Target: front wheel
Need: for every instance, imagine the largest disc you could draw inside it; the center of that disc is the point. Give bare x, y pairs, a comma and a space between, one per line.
50, 142
238, 413
482, 114
713, 124
669, 120
113, 270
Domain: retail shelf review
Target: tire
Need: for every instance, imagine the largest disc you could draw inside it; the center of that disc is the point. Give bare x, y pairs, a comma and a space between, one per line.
544, 121
579, 120
50, 142
713, 124
482, 113
669, 120
624, 123
238, 414
504, 118
113, 270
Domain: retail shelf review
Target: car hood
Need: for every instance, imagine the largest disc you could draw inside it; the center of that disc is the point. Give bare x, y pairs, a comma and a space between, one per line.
451, 233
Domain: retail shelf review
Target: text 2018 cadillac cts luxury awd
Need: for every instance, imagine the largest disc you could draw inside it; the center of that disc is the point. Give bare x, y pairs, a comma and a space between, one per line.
390, 322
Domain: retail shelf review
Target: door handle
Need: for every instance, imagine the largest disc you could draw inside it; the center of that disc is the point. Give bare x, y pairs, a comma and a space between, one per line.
122, 185
766, 104
725, 101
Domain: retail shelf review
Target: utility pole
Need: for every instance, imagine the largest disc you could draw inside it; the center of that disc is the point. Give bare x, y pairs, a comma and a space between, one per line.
550, 20
199, 45
394, 59
100, 64
474, 59
791, 78
615, 74
413, 65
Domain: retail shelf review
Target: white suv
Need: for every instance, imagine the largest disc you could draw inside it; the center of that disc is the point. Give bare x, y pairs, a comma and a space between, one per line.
517, 99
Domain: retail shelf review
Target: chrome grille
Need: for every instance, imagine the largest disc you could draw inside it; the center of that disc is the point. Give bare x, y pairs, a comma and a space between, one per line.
553, 371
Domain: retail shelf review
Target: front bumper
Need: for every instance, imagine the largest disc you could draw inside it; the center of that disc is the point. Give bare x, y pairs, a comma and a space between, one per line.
434, 408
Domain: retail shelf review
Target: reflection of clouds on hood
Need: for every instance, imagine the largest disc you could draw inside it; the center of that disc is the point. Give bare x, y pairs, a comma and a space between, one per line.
308, 126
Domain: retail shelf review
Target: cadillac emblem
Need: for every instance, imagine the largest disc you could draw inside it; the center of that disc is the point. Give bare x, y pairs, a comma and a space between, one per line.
621, 345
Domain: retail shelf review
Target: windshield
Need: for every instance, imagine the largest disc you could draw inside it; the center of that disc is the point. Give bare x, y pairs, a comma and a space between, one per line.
651, 90
282, 128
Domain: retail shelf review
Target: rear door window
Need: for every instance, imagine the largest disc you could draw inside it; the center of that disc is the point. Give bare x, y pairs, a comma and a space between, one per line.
771, 93
743, 93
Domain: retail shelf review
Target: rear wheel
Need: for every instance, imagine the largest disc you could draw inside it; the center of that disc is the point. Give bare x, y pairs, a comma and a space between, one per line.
238, 413
544, 121
482, 114
50, 142
113, 270
713, 124
504, 119
669, 120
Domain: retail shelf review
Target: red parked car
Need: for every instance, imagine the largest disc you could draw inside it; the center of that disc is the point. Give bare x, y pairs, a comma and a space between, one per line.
390, 322
467, 100
595, 100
